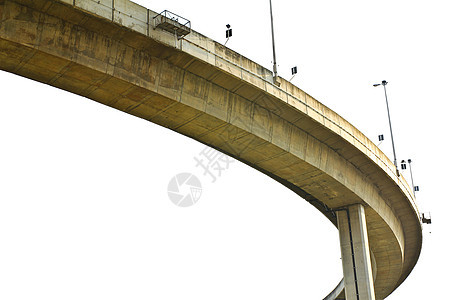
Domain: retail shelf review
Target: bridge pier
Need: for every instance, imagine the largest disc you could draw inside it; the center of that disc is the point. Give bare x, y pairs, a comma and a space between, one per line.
355, 253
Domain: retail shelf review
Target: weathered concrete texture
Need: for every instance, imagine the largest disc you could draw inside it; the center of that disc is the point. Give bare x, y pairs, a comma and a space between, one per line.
199, 88
355, 252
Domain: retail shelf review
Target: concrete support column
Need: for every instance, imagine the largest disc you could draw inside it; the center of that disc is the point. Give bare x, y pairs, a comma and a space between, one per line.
355, 253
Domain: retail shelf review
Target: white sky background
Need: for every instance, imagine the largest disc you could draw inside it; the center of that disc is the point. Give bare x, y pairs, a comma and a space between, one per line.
84, 211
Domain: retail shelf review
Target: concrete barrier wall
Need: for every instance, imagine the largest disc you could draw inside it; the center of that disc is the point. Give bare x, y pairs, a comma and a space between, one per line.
102, 8
131, 15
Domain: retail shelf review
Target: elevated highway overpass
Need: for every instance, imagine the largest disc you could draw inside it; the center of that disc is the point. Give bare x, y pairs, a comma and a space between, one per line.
113, 52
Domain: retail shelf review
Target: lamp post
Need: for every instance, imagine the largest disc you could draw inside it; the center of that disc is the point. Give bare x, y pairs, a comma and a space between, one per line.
415, 188
275, 73
383, 83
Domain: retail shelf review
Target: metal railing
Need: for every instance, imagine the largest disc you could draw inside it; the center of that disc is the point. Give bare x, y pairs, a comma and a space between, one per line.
173, 23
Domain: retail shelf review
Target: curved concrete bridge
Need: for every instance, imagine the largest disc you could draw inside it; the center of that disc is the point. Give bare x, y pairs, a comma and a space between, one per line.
110, 51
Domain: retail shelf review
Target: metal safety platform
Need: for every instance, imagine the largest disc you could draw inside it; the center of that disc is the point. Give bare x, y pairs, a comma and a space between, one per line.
172, 23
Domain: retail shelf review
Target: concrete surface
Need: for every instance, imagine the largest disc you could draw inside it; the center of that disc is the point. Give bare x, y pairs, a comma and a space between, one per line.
110, 52
356, 262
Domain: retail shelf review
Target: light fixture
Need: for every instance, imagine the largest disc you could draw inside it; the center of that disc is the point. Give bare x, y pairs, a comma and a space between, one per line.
383, 83
403, 165
228, 33
294, 70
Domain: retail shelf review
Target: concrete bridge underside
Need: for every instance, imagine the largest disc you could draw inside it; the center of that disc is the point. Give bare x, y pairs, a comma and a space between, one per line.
108, 51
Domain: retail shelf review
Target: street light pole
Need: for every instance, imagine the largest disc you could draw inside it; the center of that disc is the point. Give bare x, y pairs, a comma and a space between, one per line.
412, 180
384, 83
275, 73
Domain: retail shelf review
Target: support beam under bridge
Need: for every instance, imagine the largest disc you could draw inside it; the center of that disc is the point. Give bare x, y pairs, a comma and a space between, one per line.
355, 252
